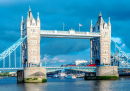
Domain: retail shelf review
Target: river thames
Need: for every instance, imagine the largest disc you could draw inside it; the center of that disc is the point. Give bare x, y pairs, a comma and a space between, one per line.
78, 84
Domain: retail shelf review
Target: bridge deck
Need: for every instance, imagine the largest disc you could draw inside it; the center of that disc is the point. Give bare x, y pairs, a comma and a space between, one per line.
68, 34
51, 69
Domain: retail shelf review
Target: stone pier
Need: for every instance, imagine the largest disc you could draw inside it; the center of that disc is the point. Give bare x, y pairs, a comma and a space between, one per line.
103, 73
20, 76
32, 74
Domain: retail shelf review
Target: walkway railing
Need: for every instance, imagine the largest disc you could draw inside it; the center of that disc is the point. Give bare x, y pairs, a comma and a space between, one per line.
68, 34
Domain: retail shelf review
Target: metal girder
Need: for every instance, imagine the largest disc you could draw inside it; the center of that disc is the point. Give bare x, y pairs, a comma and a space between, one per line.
120, 50
122, 61
12, 48
11, 69
85, 69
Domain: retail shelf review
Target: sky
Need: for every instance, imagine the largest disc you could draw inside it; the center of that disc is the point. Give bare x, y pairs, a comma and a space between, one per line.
72, 12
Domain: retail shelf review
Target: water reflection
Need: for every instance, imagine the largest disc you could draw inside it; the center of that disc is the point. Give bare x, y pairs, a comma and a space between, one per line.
10, 84
32, 86
101, 85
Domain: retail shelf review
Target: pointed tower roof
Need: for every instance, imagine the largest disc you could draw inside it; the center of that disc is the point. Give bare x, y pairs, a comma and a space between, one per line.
100, 20
30, 16
100, 14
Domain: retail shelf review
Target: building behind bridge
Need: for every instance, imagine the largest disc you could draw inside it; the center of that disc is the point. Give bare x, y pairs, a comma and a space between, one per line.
76, 63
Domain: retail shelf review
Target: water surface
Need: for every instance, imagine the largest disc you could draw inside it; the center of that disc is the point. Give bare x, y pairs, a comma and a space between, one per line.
53, 84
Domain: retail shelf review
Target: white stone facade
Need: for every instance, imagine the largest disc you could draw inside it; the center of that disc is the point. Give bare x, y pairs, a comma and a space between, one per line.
107, 71
101, 47
31, 46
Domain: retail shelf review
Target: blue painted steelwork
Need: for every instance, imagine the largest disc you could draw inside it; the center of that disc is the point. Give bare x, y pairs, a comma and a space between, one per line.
11, 69
120, 50
123, 58
85, 69
8, 51
117, 58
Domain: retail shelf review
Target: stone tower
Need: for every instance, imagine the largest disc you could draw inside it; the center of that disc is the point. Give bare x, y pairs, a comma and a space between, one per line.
31, 46
101, 47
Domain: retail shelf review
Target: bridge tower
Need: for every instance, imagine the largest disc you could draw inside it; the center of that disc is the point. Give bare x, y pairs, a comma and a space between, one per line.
101, 47
101, 51
31, 47
33, 70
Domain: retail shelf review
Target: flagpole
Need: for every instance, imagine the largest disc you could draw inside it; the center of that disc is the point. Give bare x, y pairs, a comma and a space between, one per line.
79, 27
63, 26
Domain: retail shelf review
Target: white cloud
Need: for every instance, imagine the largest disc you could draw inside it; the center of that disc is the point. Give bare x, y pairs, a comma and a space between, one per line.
123, 46
53, 61
116, 40
55, 58
46, 58
61, 60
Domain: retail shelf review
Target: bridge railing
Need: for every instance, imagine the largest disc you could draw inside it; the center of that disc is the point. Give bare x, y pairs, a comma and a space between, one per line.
56, 32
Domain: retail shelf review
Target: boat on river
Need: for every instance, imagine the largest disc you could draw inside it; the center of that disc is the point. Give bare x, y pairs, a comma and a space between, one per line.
70, 76
61, 75
55, 76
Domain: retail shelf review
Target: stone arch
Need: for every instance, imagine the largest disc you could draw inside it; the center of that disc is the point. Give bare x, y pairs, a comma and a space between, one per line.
97, 62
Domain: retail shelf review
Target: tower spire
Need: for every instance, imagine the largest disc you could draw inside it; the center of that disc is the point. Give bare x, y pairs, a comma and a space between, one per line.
29, 8
22, 19
91, 27
30, 16
100, 14
38, 17
109, 21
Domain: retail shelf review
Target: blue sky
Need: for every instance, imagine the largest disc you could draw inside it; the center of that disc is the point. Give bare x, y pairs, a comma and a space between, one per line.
72, 12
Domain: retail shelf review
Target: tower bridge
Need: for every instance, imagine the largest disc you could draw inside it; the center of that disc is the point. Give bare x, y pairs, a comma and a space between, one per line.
30, 65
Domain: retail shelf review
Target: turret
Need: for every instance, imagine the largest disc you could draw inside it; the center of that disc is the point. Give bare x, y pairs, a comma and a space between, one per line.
22, 20
91, 27
21, 26
38, 19
109, 24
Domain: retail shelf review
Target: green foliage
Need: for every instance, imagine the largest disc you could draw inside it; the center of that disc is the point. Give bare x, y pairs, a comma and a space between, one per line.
31, 78
107, 77
44, 80
35, 78
5, 74
28, 78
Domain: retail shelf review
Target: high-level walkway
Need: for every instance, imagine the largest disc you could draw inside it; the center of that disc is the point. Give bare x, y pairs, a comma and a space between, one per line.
68, 34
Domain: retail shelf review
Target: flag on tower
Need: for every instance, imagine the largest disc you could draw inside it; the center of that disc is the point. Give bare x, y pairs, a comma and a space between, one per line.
80, 24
